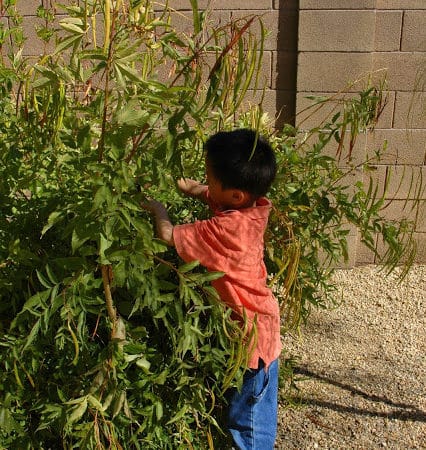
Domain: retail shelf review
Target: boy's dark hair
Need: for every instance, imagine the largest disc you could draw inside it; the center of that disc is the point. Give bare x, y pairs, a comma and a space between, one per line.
242, 159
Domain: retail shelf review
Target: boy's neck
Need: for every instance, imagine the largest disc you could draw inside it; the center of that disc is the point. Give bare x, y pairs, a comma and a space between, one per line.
249, 204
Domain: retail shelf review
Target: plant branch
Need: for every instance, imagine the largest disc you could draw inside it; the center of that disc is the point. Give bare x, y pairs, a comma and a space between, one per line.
112, 313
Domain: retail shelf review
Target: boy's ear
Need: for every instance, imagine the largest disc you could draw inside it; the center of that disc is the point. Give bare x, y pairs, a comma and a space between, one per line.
240, 198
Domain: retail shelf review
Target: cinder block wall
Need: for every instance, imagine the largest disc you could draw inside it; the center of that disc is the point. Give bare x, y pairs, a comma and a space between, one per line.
279, 68
340, 41
319, 47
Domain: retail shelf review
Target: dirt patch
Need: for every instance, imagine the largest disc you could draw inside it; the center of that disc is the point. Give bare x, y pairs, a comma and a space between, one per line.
362, 367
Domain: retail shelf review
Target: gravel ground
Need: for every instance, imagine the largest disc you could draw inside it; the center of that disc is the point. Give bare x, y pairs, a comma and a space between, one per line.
363, 367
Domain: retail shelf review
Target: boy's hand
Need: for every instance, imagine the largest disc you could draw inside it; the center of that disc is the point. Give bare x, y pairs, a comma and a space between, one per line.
192, 188
162, 221
153, 206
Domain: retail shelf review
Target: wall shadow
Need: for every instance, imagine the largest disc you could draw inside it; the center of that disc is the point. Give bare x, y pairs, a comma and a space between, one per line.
286, 62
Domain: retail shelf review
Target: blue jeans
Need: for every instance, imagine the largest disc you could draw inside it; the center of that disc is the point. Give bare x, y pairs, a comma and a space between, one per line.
252, 413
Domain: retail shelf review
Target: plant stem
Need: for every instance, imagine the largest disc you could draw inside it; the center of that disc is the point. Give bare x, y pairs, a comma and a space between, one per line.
112, 313
109, 30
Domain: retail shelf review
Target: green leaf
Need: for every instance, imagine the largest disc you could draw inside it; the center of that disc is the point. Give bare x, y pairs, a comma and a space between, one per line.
68, 42
118, 403
33, 333
37, 300
104, 245
132, 115
209, 276
161, 313
71, 27
77, 241
43, 280
95, 403
144, 364
103, 195
159, 410
54, 218
78, 411
129, 72
179, 415
72, 24
8, 423
188, 266
52, 278
41, 82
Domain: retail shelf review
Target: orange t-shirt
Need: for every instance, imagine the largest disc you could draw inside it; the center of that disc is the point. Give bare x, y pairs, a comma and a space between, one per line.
232, 242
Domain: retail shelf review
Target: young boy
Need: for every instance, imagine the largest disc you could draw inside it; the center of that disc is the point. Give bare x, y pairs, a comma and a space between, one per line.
240, 168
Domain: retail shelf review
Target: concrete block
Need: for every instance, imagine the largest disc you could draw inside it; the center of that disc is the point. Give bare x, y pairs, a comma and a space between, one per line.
57, 5
385, 119
33, 44
420, 239
351, 241
185, 4
388, 31
28, 7
403, 146
256, 97
266, 98
414, 31
222, 4
287, 36
377, 176
403, 182
344, 158
413, 211
269, 20
167, 71
410, 110
278, 104
350, 177
420, 242
402, 69
311, 116
400, 4
313, 113
280, 26
347, 158
286, 5
332, 71
337, 4
285, 108
337, 30
265, 75
363, 254
183, 20
379, 150
284, 70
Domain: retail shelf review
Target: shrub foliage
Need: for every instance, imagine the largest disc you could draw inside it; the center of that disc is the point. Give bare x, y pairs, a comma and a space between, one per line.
108, 340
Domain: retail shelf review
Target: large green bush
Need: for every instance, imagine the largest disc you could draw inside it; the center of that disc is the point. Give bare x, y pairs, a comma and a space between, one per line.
108, 341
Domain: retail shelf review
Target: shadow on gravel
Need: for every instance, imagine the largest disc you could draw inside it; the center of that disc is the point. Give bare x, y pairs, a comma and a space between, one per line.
406, 412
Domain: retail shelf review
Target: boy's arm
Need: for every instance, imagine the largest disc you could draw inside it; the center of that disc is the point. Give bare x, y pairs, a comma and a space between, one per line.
163, 224
193, 188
